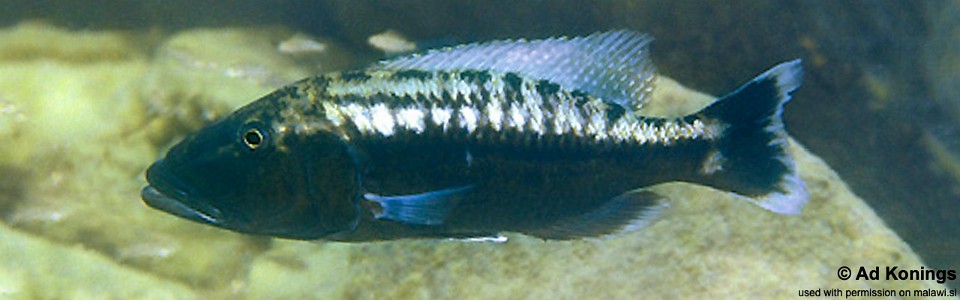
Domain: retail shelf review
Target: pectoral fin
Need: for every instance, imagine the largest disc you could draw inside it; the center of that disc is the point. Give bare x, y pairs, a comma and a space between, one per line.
430, 208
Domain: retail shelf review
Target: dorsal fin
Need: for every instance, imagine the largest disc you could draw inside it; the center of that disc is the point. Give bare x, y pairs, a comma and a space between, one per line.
613, 65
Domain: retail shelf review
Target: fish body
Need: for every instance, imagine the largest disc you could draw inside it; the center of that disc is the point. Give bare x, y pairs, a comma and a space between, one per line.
546, 138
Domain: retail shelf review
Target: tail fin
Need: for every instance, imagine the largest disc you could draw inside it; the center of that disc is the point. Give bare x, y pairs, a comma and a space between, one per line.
752, 154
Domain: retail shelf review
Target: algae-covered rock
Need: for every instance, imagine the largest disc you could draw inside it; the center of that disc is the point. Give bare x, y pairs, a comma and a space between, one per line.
87, 126
34, 268
83, 137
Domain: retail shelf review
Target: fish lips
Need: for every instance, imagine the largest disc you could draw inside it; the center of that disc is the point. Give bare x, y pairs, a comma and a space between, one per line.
164, 194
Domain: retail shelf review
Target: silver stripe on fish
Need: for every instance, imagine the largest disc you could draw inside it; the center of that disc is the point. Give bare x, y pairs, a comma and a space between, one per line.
559, 115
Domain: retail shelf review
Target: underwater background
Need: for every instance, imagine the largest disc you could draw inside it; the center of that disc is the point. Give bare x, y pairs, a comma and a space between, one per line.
91, 92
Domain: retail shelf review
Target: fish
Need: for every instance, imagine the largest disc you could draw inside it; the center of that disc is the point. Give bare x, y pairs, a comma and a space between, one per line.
550, 138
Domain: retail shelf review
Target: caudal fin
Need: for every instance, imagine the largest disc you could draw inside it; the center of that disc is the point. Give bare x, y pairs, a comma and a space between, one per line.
751, 158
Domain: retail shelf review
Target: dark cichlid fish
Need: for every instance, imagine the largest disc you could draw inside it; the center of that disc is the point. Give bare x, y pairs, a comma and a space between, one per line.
545, 137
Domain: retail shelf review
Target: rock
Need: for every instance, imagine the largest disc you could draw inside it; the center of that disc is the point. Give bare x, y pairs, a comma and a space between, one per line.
83, 138
35, 268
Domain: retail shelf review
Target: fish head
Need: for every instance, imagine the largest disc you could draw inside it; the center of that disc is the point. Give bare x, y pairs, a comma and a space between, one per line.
248, 174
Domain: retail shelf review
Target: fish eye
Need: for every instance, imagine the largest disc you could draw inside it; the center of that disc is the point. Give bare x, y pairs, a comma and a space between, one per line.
253, 138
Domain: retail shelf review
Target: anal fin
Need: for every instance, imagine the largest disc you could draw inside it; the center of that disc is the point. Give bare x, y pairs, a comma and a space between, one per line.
628, 212
430, 208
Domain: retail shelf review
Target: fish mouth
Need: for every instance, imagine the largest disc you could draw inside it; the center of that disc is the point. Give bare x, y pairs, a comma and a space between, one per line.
164, 194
